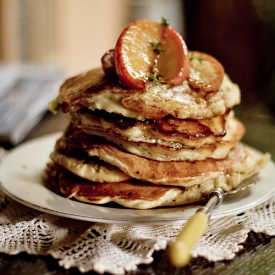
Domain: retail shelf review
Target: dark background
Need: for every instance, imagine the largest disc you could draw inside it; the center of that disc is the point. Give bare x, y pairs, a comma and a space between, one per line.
241, 35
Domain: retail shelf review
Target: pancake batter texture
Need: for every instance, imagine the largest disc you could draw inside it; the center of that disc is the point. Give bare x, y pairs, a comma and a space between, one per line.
164, 144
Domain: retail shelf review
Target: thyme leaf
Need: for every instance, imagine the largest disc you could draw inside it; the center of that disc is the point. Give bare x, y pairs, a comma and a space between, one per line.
157, 48
156, 79
164, 22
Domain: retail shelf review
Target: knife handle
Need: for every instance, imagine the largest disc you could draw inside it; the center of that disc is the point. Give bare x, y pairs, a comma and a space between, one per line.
180, 249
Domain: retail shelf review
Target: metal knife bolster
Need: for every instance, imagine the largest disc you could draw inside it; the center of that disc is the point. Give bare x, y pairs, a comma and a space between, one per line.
216, 197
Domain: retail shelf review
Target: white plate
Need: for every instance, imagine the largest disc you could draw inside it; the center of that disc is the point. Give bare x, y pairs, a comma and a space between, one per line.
21, 179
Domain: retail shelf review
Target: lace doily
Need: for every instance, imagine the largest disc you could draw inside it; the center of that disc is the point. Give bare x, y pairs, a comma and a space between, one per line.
118, 248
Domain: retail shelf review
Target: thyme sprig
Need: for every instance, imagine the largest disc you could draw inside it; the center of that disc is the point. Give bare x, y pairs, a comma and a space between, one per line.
157, 48
155, 78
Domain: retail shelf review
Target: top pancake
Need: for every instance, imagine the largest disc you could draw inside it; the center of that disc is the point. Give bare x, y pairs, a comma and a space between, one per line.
94, 90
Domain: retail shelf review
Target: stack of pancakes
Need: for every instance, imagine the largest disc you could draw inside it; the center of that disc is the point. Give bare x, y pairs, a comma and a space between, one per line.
162, 146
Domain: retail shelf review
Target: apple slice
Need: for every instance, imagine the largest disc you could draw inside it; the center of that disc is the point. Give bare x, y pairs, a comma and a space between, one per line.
173, 63
206, 72
139, 54
108, 63
134, 57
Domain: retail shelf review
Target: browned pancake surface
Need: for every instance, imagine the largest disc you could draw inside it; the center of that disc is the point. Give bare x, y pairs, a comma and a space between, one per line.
186, 131
131, 194
240, 162
70, 184
94, 90
81, 164
146, 140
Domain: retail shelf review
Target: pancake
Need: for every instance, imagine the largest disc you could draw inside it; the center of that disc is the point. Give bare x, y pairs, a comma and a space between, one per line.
241, 162
86, 167
130, 194
165, 150
165, 131
96, 91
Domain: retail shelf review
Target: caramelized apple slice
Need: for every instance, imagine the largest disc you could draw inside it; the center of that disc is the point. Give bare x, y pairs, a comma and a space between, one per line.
108, 63
173, 63
134, 56
139, 54
206, 72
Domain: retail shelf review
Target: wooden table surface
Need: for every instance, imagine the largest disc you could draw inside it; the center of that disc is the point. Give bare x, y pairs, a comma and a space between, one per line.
258, 254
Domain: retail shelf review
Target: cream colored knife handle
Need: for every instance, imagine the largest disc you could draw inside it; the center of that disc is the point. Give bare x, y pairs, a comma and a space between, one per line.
180, 249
